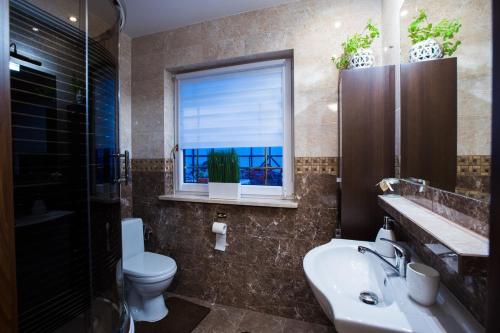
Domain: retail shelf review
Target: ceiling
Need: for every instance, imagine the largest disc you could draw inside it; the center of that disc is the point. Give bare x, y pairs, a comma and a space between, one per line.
149, 16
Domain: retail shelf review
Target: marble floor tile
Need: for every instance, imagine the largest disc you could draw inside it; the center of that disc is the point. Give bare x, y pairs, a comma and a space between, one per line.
223, 319
297, 326
256, 322
228, 319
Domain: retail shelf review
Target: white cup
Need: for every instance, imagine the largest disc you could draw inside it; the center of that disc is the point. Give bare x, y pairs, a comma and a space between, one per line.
422, 282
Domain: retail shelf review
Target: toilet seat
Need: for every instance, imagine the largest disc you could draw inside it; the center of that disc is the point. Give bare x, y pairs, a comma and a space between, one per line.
149, 267
149, 279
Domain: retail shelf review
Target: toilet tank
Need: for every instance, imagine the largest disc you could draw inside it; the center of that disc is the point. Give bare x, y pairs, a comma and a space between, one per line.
132, 237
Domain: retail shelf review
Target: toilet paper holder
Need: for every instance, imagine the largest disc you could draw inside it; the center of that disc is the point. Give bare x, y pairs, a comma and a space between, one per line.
220, 230
220, 215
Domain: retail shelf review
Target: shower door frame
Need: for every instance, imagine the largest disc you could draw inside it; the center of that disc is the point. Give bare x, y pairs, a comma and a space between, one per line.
8, 293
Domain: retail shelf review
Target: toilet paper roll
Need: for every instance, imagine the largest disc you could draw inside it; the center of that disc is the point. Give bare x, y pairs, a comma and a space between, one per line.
219, 229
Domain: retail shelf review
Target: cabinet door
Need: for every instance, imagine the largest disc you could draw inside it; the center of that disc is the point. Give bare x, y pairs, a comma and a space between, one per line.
367, 146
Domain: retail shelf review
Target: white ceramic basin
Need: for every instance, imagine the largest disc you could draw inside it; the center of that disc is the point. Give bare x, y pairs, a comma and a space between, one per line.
337, 274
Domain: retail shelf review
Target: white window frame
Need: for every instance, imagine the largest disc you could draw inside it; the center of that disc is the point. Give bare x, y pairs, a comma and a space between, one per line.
286, 190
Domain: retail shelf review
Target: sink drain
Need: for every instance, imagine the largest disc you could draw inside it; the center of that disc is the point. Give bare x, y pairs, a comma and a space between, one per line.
368, 297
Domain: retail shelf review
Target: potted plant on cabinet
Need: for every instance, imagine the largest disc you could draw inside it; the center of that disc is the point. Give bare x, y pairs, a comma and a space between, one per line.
356, 49
223, 175
423, 37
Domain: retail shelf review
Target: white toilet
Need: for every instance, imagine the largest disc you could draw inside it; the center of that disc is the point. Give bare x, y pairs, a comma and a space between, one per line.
146, 274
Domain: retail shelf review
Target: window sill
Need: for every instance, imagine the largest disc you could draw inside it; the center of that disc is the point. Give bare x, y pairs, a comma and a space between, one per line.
245, 201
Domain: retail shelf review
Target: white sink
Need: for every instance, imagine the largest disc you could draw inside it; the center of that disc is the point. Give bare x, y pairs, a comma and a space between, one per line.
337, 274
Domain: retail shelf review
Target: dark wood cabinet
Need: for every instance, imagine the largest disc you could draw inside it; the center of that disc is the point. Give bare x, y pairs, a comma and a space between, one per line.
429, 122
367, 146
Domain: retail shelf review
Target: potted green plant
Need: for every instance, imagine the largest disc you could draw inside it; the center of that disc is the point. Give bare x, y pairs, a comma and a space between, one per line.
223, 175
423, 36
356, 49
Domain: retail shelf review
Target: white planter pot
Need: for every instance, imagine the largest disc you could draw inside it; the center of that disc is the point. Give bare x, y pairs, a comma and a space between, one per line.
362, 59
229, 191
428, 49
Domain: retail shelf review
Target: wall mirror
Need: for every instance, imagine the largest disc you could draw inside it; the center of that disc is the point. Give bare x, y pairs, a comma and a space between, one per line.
445, 104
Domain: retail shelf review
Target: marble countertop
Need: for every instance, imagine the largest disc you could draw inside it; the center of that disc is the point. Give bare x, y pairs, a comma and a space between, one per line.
459, 239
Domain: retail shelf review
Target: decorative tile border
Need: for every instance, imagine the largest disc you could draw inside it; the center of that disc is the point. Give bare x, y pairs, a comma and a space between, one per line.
473, 176
152, 165
473, 165
467, 165
473, 172
316, 165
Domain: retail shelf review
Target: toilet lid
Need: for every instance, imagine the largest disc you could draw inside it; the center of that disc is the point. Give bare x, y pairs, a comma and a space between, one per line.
149, 264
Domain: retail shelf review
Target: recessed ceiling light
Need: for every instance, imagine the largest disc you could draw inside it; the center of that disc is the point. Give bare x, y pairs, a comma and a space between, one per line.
35, 29
404, 12
73, 19
337, 24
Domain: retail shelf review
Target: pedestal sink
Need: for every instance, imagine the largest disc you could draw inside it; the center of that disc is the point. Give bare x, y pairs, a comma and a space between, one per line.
338, 274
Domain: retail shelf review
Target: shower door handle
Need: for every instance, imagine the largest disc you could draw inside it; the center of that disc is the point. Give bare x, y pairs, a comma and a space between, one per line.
118, 167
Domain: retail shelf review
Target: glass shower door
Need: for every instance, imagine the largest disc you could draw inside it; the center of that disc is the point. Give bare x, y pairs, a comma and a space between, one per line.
105, 162
48, 82
64, 79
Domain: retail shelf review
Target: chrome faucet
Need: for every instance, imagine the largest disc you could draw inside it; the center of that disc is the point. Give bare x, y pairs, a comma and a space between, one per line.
403, 256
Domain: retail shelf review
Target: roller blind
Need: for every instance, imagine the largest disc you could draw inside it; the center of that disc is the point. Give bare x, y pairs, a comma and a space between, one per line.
239, 107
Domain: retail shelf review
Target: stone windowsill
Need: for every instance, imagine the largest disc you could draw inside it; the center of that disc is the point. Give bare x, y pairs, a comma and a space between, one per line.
244, 201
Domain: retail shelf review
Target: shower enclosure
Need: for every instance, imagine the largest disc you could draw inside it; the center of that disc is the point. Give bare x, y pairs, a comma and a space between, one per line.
66, 165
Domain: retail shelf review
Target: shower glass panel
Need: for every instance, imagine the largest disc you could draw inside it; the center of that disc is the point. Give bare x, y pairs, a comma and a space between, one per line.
104, 165
66, 166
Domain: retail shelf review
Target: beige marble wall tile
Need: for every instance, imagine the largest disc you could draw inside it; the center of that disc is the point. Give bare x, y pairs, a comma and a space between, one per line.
192, 54
149, 44
148, 144
146, 66
152, 117
233, 47
169, 119
474, 66
147, 90
474, 133
125, 114
124, 68
306, 27
148, 118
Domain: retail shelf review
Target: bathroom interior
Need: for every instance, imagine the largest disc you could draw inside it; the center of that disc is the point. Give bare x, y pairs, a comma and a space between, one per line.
249, 166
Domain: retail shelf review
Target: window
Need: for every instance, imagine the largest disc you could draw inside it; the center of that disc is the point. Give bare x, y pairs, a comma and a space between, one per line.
258, 166
246, 107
